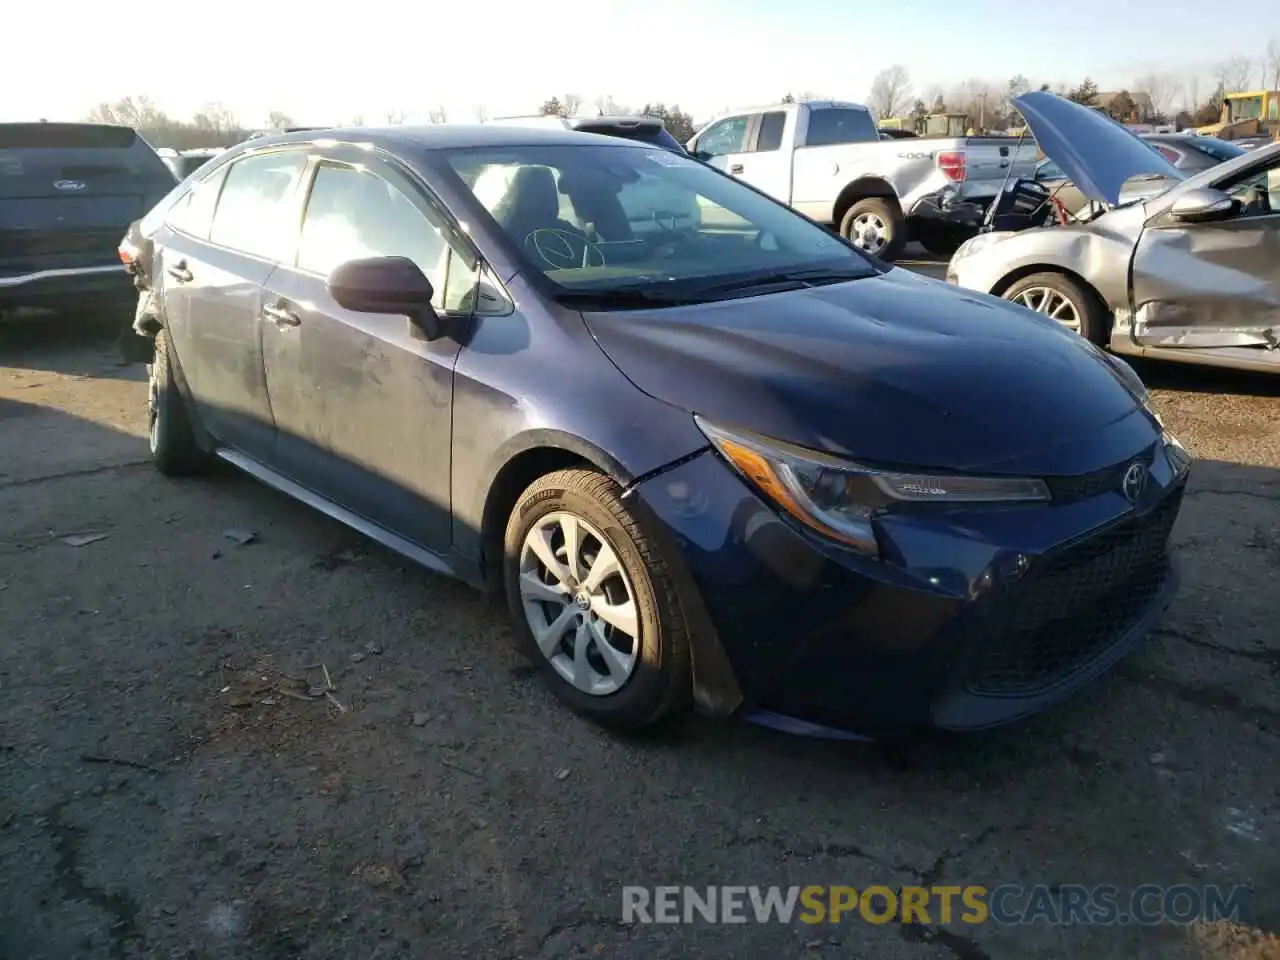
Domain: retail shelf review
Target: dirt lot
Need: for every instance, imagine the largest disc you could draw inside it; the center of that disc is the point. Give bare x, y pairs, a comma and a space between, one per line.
164, 792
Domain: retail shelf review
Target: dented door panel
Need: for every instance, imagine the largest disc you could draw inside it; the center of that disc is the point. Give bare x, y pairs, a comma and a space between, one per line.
1208, 284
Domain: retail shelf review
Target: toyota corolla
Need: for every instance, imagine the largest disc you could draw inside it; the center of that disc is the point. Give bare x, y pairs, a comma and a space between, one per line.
718, 460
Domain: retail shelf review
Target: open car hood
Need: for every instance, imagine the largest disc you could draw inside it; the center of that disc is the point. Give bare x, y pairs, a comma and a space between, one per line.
1097, 154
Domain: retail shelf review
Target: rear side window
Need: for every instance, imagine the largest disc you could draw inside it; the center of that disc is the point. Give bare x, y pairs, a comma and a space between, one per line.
840, 125
193, 213
770, 136
254, 209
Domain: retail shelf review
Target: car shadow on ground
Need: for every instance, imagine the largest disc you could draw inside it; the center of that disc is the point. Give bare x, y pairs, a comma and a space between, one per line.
1167, 375
161, 792
72, 346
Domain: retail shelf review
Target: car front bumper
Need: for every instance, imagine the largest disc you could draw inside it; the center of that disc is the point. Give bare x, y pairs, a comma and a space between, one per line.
106, 286
974, 619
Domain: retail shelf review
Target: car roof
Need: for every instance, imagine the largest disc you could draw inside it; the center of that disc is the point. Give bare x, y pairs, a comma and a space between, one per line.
448, 136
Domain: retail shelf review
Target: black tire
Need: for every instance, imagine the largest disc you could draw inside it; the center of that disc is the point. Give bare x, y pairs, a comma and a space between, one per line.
1094, 319
887, 213
174, 448
660, 684
942, 241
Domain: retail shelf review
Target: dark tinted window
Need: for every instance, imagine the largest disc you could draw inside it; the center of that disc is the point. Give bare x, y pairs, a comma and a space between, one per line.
65, 136
770, 136
652, 133
353, 214
840, 125
193, 213
253, 212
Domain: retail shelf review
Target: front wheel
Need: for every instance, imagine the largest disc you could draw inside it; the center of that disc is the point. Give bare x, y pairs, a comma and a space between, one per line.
593, 602
875, 226
1061, 298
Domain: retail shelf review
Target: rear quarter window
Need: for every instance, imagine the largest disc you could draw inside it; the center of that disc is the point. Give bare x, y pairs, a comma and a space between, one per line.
832, 125
192, 214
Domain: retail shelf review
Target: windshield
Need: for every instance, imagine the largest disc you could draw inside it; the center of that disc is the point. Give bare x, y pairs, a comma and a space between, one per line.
593, 218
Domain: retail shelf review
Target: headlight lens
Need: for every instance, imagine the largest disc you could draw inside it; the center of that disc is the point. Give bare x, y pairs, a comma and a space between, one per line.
839, 498
976, 244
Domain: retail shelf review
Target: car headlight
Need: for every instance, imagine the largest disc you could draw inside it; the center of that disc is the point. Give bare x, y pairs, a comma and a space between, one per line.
977, 244
839, 498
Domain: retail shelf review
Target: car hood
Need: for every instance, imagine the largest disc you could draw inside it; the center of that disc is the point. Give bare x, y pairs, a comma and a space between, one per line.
1097, 154
896, 369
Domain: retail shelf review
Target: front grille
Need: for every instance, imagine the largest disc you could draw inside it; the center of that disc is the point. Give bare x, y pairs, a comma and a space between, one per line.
1071, 609
1084, 486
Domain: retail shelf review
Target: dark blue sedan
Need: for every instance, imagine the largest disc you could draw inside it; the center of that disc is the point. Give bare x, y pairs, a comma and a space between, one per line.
710, 454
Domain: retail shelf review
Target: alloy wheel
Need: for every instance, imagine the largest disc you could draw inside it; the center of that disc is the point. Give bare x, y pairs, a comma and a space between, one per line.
153, 408
1052, 303
579, 603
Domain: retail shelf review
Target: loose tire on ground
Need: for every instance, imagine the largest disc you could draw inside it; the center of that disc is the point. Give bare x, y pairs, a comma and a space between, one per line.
659, 683
174, 449
880, 217
1092, 315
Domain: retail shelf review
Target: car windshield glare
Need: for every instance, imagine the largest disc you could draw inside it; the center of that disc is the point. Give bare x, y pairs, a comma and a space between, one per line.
593, 218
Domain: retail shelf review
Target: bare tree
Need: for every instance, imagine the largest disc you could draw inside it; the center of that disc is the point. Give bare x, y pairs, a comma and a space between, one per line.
1233, 73
606, 106
890, 92
1161, 90
571, 103
395, 118
279, 120
1191, 94
481, 112
215, 118
1271, 62
438, 114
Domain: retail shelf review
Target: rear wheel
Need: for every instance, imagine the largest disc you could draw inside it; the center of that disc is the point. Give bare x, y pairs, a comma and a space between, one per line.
1063, 299
174, 449
875, 226
593, 602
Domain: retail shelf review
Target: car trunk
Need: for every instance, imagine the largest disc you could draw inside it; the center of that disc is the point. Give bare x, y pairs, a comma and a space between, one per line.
68, 192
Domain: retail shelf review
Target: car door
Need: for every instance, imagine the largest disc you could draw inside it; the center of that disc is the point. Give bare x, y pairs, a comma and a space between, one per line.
1216, 283
219, 338
362, 405
765, 165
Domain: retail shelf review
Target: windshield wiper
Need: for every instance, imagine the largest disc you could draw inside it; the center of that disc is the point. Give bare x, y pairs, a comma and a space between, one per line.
799, 279
621, 297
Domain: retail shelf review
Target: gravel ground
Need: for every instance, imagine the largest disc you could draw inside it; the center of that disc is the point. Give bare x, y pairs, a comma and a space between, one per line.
164, 793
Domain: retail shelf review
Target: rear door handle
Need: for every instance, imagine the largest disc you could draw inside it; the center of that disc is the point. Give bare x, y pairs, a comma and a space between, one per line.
735, 168
281, 316
180, 272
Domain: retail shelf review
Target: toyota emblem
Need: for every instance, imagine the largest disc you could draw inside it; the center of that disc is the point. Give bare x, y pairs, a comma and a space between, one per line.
69, 185
1135, 481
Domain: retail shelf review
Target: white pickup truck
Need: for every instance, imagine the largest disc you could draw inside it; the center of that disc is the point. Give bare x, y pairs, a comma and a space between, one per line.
826, 160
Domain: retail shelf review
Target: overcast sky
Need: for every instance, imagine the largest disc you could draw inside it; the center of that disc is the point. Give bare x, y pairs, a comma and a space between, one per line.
324, 63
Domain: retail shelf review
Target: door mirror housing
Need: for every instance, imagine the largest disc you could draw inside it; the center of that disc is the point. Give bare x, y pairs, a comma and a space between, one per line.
387, 285
1204, 204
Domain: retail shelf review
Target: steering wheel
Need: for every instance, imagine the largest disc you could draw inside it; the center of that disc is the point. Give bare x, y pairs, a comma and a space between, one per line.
562, 250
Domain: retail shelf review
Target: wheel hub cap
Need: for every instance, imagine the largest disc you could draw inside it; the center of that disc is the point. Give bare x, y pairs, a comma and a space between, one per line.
579, 604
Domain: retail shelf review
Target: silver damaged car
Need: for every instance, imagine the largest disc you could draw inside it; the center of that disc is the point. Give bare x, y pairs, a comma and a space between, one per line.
1160, 266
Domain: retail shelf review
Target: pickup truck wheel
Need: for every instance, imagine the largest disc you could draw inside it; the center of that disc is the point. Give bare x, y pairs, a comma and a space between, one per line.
875, 226
1065, 300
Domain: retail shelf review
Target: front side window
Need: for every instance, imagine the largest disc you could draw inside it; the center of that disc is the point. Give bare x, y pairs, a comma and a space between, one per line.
353, 213
193, 213
639, 218
833, 125
725, 137
254, 213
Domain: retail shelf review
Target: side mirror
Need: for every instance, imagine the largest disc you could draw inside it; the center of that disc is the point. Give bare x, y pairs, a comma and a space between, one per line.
387, 285
1202, 205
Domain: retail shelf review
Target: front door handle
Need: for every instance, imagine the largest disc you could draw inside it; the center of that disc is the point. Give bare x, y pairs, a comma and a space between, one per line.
281, 316
180, 272
735, 168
